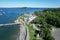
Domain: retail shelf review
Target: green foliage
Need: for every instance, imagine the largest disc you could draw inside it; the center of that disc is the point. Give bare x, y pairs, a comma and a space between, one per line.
31, 31
46, 34
36, 13
50, 38
21, 17
48, 18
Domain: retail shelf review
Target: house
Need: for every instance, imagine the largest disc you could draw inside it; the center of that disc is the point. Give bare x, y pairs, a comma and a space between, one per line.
29, 17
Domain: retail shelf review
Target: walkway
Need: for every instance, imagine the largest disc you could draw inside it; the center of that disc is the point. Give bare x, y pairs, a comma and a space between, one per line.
10, 24
34, 27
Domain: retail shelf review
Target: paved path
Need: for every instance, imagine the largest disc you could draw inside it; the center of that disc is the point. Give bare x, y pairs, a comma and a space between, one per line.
28, 37
34, 27
56, 34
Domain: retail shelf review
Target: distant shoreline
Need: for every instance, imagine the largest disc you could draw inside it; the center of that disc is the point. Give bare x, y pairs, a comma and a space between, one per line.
29, 7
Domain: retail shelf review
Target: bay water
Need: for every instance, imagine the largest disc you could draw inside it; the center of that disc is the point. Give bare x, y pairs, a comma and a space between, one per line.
9, 15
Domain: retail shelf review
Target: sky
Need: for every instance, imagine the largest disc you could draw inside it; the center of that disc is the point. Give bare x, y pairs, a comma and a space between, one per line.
30, 3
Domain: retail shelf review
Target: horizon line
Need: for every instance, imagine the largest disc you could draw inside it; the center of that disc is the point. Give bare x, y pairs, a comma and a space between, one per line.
30, 7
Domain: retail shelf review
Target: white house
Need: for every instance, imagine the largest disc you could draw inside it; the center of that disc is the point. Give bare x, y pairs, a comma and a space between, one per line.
29, 17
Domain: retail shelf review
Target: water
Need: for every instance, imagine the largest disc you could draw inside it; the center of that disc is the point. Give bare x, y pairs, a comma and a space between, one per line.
9, 32
8, 15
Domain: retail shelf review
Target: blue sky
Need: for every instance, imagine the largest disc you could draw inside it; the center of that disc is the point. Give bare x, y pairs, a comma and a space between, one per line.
30, 3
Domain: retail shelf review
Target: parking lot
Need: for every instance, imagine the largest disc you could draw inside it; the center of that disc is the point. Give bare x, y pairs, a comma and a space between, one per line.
56, 34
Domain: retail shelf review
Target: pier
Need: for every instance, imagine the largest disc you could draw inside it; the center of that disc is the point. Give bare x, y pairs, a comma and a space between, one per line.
22, 34
10, 24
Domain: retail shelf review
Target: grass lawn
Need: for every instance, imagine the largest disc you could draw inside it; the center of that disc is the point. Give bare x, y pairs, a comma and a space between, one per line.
31, 31
21, 17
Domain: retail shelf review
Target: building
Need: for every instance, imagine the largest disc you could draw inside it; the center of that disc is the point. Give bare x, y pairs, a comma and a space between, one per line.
29, 17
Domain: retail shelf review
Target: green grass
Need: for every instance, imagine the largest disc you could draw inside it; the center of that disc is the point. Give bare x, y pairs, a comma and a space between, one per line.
31, 31
21, 17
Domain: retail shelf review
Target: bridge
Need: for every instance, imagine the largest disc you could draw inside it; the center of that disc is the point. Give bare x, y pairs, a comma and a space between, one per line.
10, 24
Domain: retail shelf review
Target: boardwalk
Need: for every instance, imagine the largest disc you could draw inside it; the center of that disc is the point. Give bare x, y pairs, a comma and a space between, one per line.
10, 24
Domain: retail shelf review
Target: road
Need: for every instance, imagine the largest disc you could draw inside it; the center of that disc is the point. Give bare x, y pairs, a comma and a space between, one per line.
34, 27
56, 34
